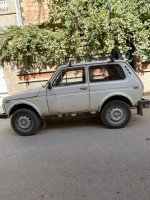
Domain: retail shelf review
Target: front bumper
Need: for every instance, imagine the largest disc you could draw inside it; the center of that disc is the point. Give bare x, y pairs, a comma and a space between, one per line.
3, 116
143, 103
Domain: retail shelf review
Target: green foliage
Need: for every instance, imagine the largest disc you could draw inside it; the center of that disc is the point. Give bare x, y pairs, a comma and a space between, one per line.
87, 26
32, 48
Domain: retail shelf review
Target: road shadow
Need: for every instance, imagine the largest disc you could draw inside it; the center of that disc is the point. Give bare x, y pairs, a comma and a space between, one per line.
72, 122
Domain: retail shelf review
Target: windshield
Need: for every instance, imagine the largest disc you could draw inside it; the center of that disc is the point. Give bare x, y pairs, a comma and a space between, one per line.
45, 85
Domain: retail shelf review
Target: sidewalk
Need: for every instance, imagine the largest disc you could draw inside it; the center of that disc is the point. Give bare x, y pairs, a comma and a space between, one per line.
146, 96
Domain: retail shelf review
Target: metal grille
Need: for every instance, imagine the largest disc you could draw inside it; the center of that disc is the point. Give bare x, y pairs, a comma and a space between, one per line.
3, 5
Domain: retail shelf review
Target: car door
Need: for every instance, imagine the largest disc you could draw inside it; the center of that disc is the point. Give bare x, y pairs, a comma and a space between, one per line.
69, 92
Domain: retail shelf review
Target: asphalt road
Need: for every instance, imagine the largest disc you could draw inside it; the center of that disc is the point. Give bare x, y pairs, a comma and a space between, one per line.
77, 159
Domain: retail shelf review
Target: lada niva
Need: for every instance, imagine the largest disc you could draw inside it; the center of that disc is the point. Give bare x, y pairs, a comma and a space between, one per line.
104, 87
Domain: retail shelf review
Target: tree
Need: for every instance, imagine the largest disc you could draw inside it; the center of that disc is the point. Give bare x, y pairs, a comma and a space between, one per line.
80, 27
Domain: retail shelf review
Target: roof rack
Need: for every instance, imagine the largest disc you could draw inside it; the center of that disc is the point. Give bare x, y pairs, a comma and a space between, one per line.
89, 58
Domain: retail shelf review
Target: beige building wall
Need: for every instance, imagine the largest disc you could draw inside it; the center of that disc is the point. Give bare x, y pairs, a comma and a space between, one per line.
10, 79
145, 77
8, 16
18, 83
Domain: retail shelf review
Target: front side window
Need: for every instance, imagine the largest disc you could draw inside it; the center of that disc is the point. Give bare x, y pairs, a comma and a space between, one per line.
70, 77
106, 73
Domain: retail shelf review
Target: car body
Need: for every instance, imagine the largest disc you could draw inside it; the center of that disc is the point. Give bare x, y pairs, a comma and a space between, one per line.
104, 87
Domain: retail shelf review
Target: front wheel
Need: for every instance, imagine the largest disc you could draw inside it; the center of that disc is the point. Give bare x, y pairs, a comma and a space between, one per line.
116, 114
25, 122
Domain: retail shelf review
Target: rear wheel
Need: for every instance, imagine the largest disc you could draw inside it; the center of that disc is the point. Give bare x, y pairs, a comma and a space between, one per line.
25, 122
116, 114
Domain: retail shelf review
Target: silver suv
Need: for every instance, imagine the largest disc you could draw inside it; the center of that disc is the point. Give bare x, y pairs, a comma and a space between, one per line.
104, 87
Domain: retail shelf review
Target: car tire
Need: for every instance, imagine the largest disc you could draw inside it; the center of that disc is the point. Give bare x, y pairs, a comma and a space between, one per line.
25, 122
116, 114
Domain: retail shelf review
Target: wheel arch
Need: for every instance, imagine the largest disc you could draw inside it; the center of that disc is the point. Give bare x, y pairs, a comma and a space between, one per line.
116, 97
21, 106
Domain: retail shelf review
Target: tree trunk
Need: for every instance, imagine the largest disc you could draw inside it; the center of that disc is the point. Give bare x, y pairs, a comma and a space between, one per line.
137, 65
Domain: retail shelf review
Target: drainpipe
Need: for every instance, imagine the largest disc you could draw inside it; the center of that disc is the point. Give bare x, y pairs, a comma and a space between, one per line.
18, 13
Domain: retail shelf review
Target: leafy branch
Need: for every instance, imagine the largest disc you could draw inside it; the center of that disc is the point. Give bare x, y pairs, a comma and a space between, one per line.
78, 27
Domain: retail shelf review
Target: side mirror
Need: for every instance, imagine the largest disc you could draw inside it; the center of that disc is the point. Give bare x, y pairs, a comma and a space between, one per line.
49, 85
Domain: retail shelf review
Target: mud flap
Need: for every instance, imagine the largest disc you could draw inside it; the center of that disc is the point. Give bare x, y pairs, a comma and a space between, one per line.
143, 103
139, 110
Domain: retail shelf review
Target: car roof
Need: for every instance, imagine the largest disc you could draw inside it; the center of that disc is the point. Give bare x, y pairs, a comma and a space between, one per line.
93, 62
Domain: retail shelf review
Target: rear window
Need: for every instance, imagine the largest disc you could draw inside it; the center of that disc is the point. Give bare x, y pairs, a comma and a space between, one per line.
106, 73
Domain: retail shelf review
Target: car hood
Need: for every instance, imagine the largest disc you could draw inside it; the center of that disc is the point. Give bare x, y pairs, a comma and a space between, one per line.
23, 95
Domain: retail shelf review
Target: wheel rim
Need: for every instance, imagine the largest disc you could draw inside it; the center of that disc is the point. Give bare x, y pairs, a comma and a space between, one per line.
24, 122
116, 115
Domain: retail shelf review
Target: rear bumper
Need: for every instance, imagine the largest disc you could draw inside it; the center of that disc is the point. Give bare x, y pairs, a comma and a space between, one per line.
143, 103
3, 116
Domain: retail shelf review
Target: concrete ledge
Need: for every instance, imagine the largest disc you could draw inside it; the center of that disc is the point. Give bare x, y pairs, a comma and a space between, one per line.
7, 13
33, 80
146, 93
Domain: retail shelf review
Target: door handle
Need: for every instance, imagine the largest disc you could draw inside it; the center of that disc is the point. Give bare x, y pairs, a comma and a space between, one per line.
83, 88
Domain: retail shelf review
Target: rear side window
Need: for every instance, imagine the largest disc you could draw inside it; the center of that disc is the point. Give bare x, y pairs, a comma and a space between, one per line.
106, 73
